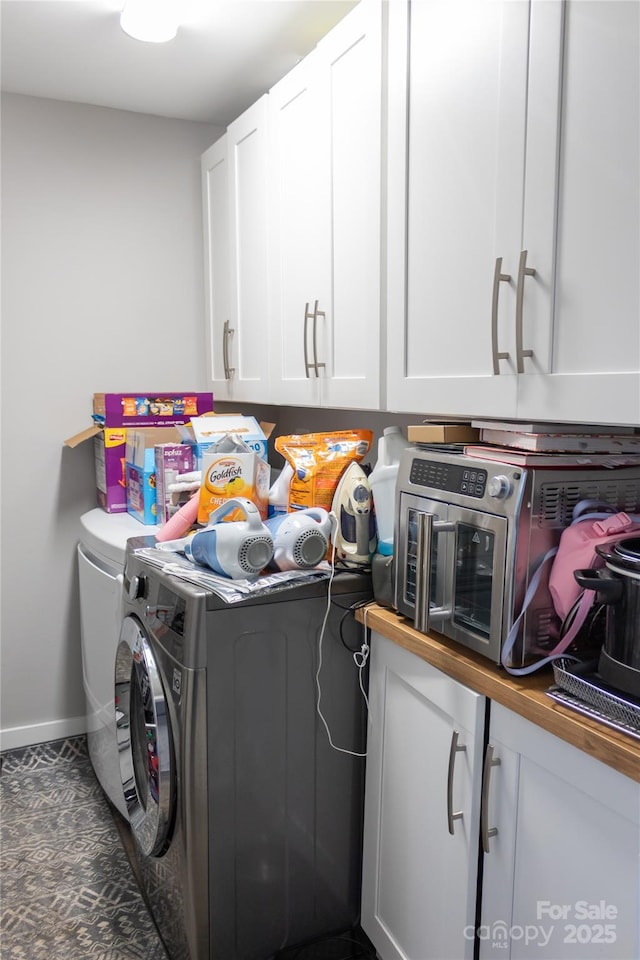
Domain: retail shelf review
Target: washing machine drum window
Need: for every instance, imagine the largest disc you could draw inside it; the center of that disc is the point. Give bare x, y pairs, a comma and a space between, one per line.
143, 733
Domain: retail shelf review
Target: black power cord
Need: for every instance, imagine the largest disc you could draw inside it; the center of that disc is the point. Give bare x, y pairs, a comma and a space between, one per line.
347, 611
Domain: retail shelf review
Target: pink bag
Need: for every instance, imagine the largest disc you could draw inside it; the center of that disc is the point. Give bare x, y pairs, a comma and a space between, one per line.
593, 524
577, 551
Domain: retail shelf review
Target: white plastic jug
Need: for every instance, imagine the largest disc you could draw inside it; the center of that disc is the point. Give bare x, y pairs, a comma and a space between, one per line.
382, 481
279, 492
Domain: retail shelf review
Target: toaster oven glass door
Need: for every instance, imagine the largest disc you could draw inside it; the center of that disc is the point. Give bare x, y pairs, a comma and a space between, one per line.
465, 569
410, 566
478, 578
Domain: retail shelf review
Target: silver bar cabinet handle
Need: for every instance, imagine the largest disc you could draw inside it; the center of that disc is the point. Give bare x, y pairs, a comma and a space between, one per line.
305, 336
455, 748
227, 332
426, 527
523, 271
487, 832
498, 278
317, 313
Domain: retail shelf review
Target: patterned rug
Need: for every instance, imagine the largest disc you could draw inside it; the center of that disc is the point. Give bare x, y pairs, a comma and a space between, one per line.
67, 888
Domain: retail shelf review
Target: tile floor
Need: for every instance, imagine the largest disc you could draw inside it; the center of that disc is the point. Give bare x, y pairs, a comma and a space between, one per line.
68, 890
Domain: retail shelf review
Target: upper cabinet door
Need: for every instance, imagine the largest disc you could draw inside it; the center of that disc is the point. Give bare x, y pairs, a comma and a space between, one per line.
217, 270
351, 63
325, 118
234, 183
581, 308
299, 243
248, 237
454, 215
513, 286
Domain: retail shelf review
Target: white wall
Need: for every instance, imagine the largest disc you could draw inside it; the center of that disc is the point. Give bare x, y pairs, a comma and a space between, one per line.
101, 290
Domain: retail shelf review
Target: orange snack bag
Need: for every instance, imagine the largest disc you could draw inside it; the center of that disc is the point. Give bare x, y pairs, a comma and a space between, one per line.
318, 461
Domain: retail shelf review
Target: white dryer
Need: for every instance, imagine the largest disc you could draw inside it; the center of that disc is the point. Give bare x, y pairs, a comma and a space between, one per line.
101, 557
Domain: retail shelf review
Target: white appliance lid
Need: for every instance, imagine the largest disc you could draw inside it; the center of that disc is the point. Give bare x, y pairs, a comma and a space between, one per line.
106, 534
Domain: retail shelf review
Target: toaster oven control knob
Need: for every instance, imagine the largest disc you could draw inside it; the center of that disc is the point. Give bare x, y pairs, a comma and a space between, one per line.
499, 487
136, 587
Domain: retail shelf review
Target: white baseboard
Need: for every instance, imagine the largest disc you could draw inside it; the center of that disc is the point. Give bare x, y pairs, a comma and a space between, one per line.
12, 738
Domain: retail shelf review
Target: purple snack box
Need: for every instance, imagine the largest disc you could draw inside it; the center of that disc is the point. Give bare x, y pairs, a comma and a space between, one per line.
117, 411
149, 409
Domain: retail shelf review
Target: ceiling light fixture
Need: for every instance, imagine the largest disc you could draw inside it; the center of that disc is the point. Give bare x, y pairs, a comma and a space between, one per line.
154, 21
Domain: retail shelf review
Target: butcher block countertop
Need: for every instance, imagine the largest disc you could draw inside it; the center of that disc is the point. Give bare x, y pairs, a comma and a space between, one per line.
523, 695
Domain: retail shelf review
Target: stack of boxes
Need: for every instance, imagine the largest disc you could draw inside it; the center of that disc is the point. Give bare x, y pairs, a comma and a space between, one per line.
125, 431
150, 450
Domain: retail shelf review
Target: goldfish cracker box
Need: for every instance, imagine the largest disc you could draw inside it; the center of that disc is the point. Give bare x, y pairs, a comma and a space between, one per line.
230, 468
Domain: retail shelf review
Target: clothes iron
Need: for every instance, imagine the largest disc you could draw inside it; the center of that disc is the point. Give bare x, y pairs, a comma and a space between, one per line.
355, 535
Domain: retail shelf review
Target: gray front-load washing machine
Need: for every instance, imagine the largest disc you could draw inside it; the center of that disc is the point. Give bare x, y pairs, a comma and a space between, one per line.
248, 822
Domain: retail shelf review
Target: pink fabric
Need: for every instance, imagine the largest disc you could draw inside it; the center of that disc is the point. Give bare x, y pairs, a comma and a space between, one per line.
577, 551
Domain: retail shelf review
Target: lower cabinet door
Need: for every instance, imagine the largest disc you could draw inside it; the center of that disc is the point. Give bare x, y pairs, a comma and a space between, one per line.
422, 809
561, 868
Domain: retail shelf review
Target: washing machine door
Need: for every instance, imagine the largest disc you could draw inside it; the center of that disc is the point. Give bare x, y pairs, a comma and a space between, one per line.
144, 739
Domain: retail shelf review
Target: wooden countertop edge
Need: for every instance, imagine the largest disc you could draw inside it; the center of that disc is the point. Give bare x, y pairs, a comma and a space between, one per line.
525, 696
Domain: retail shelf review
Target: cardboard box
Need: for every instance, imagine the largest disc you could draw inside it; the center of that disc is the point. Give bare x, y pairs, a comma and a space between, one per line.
172, 461
109, 452
209, 429
234, 474
141, 470
113, 414
442, 433
149, 410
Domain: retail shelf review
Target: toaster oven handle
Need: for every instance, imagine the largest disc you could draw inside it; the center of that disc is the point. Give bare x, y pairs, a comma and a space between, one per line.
426, 528
424, 537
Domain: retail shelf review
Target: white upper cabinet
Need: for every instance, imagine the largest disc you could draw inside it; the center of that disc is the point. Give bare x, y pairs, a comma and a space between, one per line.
453, 156
513, 217
217, 271
581, 309
299, 246
235, 194
325, 195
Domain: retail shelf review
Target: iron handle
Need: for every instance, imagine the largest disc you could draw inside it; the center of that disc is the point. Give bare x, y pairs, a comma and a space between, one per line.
426, 528
523, 271
454, 748
498, 278
487, 831
227, 332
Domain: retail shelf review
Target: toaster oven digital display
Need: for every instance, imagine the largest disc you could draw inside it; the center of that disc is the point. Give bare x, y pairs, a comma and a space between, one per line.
452, 477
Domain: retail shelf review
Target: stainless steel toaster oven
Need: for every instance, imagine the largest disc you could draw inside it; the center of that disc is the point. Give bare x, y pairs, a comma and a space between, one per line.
470, 534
